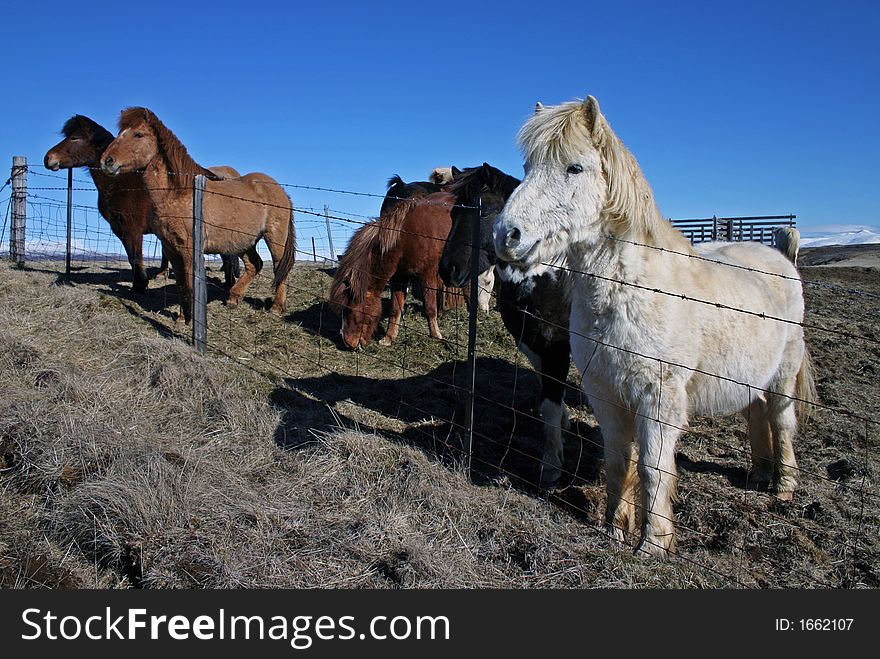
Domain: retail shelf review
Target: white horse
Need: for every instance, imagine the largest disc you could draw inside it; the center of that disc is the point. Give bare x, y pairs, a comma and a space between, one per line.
649, 358
788, 241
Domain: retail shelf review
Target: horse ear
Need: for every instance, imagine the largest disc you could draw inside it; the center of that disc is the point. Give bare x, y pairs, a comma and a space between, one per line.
593, 114
455, 171
538, 107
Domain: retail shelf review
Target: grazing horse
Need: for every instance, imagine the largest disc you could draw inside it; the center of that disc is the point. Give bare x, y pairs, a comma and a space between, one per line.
657, 336
788, 241
533, 301
237, 212
123, 200
404, 243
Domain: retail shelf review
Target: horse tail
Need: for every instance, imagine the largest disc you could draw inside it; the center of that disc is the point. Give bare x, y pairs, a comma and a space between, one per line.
788, 241
805, 388
287, 258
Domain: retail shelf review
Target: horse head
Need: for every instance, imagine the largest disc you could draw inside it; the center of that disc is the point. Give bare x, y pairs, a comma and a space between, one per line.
480, 194
136, 144
565, 188
84, 141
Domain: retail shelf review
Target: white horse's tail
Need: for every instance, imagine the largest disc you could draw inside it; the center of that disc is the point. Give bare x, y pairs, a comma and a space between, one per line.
788, 241
805, 388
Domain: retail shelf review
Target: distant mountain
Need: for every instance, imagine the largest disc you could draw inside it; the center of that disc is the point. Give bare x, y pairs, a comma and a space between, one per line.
860, 236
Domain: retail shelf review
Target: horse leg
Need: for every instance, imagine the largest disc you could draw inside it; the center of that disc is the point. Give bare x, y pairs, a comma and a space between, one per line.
620, 467
555, 361
398, 295
761, 473
183, 268
134, 245
252, 266
163, 269
231, 270
783, 422
657, 472
275, 240
433, 287
486, 282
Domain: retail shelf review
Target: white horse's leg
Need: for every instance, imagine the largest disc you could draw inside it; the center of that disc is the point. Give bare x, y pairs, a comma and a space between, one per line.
486, 282
783, 421
657, 470
761, 473
620, 468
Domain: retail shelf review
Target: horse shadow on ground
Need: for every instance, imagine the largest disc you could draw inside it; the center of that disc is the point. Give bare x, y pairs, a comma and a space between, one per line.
427, 412
161, 294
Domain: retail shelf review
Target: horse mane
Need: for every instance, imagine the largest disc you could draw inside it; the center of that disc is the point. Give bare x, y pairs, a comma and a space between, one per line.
354, 269
179, 161
101, 137
391, 223
470, 183
564, 132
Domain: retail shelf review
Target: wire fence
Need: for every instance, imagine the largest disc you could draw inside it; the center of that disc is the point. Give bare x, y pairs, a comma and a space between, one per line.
422, 390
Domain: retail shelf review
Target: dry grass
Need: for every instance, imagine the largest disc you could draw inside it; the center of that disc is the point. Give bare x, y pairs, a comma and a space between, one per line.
280, 460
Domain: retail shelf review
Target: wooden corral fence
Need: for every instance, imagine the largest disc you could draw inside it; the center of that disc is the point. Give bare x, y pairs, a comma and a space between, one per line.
757, 228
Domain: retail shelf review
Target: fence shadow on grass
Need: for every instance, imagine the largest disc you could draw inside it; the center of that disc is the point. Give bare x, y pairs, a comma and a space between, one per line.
427, 412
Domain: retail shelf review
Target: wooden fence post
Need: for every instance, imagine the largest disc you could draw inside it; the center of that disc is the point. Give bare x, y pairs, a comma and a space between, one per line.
329, 234
199, 284
19, 210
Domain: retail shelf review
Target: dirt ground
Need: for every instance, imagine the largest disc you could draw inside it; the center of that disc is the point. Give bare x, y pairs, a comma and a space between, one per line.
280, 459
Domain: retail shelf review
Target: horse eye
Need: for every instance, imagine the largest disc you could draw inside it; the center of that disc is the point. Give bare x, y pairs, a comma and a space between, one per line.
138, 134
575, 169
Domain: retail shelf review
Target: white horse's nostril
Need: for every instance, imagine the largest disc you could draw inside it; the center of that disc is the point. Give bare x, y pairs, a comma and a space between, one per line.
512, 238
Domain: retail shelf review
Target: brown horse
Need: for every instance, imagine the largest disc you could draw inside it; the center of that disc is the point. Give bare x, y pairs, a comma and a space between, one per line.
405, 243
123, 200
237, 212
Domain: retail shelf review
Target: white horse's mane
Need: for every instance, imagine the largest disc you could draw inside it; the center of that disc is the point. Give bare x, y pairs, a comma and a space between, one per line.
563, 133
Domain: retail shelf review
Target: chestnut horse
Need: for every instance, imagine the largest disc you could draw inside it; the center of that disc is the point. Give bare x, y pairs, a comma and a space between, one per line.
123, 200
237, 212
404, 243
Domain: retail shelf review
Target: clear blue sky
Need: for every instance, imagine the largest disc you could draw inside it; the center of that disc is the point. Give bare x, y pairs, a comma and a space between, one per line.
731, 108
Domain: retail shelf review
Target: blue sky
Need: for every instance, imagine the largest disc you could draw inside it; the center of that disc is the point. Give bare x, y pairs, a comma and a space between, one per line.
731, 108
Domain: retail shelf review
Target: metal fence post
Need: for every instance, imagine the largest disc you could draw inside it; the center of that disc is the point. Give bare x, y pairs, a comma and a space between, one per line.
69, 222
472, 334
19, 210
199, 284
329, 234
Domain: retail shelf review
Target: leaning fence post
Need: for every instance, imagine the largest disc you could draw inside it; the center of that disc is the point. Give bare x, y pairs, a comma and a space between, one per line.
329, 234
199, 285
714, 228
472, 334
19, 210
69, 222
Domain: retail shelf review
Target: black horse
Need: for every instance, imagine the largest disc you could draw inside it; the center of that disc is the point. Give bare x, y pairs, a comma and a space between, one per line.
534, 303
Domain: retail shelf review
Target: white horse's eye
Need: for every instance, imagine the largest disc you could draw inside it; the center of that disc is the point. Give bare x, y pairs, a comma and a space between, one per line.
575, 169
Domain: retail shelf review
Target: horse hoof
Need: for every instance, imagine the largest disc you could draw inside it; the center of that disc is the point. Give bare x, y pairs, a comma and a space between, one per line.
232, 302
785, 496
653, 550
385, 341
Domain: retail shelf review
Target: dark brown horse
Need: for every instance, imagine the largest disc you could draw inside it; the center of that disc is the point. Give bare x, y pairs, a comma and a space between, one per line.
405, 243
237, 212
122, 200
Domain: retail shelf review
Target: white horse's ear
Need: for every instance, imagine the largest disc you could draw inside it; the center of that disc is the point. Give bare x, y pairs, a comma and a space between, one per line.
592, 113
538, 107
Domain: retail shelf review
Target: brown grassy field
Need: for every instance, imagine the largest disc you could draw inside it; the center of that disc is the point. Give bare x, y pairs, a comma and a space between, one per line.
278, 459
